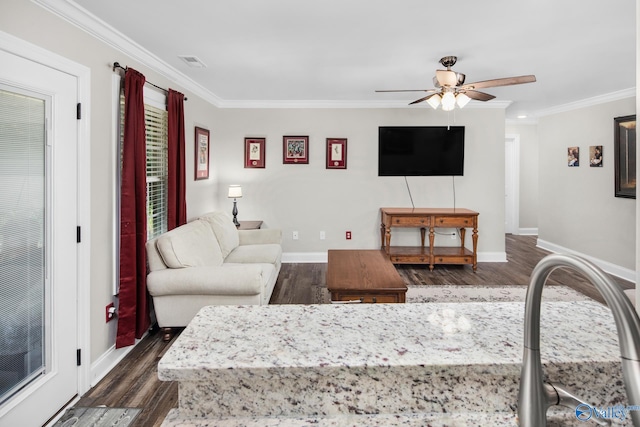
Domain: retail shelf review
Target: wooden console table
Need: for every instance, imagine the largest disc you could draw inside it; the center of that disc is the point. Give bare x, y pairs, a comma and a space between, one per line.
430, 218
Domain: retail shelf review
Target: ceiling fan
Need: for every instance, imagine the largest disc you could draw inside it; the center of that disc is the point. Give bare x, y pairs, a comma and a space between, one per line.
451, 90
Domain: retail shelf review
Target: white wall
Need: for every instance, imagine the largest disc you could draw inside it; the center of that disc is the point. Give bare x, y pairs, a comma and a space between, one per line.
309, 198
578, 209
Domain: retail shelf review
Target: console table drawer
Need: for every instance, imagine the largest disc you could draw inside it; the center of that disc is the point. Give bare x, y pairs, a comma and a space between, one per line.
453, 221
449, 259
410, 221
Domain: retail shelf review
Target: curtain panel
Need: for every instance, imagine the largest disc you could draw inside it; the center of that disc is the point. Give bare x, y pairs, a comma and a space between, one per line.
133, 309
176, 186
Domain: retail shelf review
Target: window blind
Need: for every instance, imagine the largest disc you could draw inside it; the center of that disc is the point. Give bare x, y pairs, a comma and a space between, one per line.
156, 127
156, 122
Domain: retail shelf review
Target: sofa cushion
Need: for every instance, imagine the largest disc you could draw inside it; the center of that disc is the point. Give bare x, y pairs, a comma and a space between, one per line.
270, 253
224, 229
229, 279
190, 245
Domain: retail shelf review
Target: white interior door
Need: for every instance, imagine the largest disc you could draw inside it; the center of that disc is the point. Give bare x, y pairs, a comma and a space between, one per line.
39, 374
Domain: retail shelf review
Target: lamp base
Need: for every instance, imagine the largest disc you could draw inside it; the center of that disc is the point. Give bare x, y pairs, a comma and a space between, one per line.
235, 213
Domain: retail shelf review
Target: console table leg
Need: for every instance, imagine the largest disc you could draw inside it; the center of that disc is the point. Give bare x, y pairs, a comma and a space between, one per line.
387, 239
475, 249
432, 234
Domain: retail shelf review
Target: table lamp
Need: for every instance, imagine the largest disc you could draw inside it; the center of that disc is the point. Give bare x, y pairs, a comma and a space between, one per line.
235, 192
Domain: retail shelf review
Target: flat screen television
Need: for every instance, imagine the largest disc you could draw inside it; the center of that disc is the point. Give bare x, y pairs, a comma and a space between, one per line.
420, 150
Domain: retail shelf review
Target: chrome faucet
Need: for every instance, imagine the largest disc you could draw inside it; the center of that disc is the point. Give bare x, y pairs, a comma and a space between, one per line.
535, 396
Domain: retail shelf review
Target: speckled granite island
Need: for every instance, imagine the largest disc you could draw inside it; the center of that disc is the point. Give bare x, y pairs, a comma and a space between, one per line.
438, 364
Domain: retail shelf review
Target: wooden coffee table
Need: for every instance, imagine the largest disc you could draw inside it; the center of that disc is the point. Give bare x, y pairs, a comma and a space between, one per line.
363, 276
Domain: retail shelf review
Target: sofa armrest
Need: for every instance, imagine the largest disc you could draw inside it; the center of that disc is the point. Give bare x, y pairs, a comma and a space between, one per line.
260, 237
247, 279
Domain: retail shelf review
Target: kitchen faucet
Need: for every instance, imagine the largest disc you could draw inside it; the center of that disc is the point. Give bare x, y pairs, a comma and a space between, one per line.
535, 396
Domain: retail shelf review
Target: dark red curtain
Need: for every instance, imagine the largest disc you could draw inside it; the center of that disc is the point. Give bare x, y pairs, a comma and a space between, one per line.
133, 310
176, 188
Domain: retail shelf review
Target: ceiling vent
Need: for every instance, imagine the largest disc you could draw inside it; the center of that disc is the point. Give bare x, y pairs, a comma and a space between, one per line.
192, 61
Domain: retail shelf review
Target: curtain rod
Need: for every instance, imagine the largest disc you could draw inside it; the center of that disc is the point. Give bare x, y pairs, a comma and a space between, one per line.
117, 65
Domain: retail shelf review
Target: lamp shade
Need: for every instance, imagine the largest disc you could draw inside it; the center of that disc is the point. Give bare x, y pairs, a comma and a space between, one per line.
235, 191
462, 100
448, 101
434, 101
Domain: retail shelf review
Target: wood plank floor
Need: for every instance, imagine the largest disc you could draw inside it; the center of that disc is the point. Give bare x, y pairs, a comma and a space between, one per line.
134, 382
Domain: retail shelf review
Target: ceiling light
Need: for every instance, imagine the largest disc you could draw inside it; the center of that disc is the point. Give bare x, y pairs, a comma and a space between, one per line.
434, 101
448, 101
462, 100
522, 116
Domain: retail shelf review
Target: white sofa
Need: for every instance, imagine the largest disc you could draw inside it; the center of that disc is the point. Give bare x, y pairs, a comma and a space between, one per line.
209, 262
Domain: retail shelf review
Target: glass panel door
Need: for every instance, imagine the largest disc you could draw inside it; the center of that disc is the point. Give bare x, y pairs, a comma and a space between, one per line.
22, 240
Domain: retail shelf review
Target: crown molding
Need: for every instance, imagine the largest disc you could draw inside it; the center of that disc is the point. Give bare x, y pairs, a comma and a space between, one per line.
588, 102
86, 21
346, 104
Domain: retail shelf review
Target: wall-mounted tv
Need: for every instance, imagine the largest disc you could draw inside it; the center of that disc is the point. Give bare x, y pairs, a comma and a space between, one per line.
420, 150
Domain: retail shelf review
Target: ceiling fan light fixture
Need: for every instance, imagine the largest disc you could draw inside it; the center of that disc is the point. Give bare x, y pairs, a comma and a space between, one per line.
434, 101
448, 101
462, 100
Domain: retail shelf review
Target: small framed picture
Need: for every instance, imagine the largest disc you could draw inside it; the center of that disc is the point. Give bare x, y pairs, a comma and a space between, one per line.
573, 156
336, 153
254, 152
295, 149
595, 156
202, 154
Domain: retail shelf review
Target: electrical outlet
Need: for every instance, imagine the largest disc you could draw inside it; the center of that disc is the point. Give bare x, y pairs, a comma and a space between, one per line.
348, 235
294, 235
322, 235
110, 312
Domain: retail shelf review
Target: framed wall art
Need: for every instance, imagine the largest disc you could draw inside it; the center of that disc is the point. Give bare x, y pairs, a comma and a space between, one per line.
295, 149
202, 153
595, 156
573, 156
254, 152
624, 147
336, 153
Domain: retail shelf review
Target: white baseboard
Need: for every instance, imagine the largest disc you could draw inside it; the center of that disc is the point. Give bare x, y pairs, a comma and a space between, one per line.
304, 257
321, 257
527, 231
492, 257
613, 269
105, 363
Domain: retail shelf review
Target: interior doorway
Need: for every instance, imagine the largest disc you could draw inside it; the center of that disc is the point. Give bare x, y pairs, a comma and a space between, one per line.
512, 184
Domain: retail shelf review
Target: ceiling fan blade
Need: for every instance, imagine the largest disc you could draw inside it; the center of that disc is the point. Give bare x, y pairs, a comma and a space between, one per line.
422, 99
408, 90
507, 81
479, 96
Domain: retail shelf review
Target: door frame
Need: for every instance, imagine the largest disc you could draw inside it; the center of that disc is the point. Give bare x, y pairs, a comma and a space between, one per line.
29, 51
512, 158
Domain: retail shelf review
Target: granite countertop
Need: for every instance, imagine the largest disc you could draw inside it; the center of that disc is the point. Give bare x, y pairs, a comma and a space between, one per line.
381, 364
344, 335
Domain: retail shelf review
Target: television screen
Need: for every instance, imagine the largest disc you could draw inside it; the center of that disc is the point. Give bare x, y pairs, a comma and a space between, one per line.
420, 150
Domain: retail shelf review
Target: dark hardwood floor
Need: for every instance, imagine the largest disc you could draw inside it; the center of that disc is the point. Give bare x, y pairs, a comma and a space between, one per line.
134, 382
